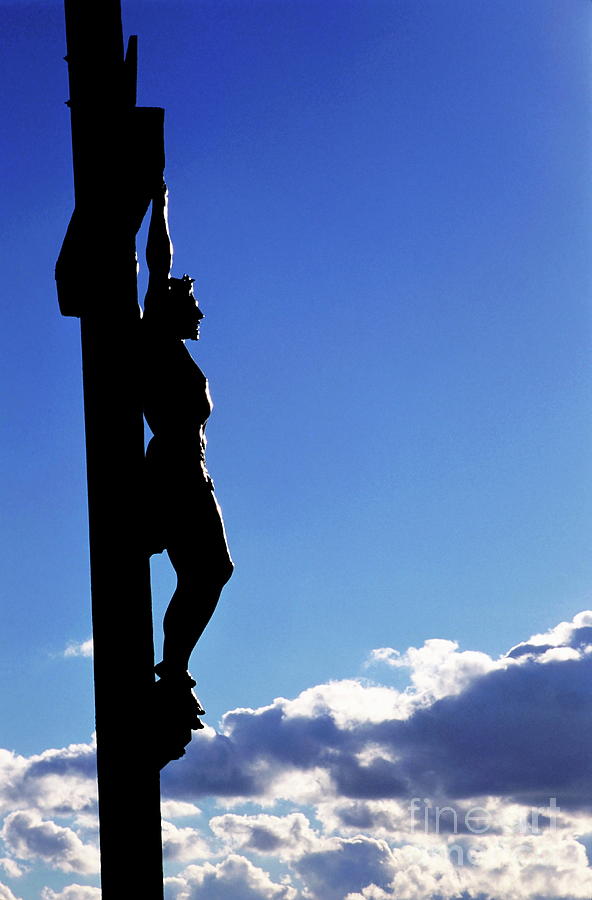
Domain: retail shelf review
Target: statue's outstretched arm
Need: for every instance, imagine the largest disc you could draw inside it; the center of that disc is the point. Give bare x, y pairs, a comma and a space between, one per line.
159, 249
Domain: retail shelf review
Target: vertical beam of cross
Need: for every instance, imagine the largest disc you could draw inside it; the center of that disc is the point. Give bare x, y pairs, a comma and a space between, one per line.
117, 156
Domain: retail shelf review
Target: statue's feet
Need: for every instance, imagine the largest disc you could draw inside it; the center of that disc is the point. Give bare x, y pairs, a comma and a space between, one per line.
176, 714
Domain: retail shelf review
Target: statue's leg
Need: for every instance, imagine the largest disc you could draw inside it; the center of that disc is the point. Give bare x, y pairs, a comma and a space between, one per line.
200, 556
203, 566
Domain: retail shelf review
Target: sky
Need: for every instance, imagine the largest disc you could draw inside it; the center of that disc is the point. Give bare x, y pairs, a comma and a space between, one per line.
386, 207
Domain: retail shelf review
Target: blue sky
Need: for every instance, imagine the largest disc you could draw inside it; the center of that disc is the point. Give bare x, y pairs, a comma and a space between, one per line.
386, 207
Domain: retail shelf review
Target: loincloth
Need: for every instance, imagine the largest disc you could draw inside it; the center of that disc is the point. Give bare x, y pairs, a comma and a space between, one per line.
179, 502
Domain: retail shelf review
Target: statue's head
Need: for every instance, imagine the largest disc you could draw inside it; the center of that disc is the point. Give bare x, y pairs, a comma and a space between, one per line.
177, 310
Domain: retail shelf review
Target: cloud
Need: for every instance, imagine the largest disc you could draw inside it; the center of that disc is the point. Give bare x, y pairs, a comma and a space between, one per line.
58, 782
346, 865
438, 669
28, 836
235, 878
505, 728
575, 635
474, 861
178, 809
531, 868
409, 818
284, 836
12, 869
393, 777
258, 748
183, 844
510, 733
6, 893
544, 866
72, 892
516, 867
85, 648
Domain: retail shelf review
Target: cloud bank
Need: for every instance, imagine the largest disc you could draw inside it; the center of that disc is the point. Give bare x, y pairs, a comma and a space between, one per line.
474, 782
469, 726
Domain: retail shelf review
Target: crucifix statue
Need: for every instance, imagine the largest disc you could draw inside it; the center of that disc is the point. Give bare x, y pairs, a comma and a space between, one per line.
134, 367
182, 514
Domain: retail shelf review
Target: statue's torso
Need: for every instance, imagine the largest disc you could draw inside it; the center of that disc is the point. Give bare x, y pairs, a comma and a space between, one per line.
177, 404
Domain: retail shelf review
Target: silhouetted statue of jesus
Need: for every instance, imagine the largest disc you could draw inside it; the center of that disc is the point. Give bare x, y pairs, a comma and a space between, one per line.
183, 516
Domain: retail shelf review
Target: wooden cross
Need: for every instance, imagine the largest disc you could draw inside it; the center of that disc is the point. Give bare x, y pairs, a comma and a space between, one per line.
118, 157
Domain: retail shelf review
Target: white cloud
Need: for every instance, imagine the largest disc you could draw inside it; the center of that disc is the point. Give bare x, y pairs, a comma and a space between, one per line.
415, 874
498, 717
178, 809
348, 703
440, 861
381, 818
576, 634
30, 837
6, 893
345, 865
12, 869
438, 669
235, 878
183, 844
469, 731
559, 654
517, 868
284, 836
72, 892
85, 648
56, 781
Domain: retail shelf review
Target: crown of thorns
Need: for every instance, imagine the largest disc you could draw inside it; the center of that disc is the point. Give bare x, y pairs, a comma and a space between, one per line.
185, 281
